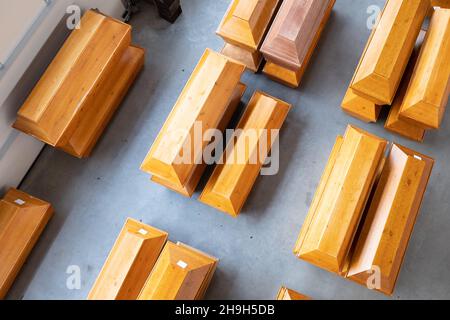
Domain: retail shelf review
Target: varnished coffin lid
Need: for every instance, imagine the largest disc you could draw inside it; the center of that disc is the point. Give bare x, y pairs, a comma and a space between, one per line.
293, 31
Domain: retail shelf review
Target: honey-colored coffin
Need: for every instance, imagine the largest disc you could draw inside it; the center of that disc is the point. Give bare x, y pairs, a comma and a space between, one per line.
337, 207
394, 123
22, 220
232, 181
181, 273
293, 37
175, 155
80, 90
388, 50
288, 294
427, 95
391, 216
243, 28
129, 263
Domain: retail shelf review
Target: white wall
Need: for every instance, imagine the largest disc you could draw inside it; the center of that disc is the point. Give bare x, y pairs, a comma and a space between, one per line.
17, 150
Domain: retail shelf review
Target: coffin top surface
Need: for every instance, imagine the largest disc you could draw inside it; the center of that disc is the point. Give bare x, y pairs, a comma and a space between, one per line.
75, 71
340, 198
427, 95
246, 22
201, 106
179, 273
388, 50
293, 31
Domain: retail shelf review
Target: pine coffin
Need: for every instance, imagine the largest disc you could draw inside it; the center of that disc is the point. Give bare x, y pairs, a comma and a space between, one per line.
288, 294
292, 38
427, 95
390, 219
388, 50
83, 86
327, 234
243, 29
129, 263
189, 188
181, 273
204, 102
22, 220
232, 180
394, 123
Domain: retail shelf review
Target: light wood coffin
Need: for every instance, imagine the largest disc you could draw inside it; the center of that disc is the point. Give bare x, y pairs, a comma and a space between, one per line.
288, 294
129, 263
394, 123
243, 28
327, 233
292, 38
208, 97
22, 220
388, 50
83, 86
427, 95
391, 216
232, 181
181, 273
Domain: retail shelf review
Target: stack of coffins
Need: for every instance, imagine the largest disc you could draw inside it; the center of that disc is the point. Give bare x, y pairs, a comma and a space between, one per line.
75, 98
420, 102
208, 101
22, 220
364, 209
144, 265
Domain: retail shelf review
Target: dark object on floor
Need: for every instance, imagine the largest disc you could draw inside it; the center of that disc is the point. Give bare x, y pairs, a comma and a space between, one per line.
131, 7
169, 10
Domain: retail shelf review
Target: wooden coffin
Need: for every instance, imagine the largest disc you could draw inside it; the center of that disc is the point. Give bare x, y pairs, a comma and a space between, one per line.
208, 97
388, 50
243, 29
427, 94
337, 207
288, 294
232, 180
181, 273
394, 123
293, 37
391, 216
129, 263
83, 86
22, 220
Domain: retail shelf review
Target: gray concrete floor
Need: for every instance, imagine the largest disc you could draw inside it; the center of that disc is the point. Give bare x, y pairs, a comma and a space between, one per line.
93, 197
